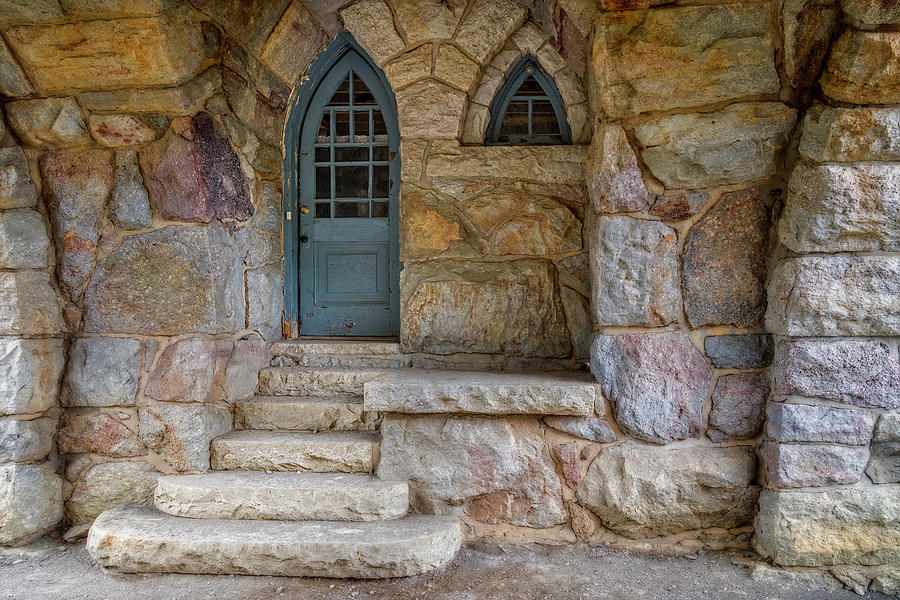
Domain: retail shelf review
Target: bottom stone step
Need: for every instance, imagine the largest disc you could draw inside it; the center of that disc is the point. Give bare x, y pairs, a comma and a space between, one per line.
144, 540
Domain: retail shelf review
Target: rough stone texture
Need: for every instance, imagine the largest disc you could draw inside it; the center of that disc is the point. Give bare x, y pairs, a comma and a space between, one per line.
410, 66
24, 243
181, 433
862, 13
677, 206
634, 264
812, 465
321, 382
111, 485
17, 190
184, 99
828, 527
28, 304
859, 372
884, 466
304, 414
161, 50
168, 282
98, 433
249, 21
581, 325
657, 383
255, 94
193, 174
808, 27
542, 225
29, 374
429, 19
824, 295
842, 208
13, 81
888, 584
242, 373
567, 456
144, 540
864, 66
589, 428
487, 25
372, 25
547, 164
493, 470
738, 405
430, 109
511, 308
851, 134
120, 130
738, 143
24, 441
807, 423
456, 68
725, 263
102, 372
319, 452
639, 491
289, 496
293, 43
265, 301
744, 351
130, 204
257, 248
30, 501
615, 183
430, 392
77, 187
48, 122
683, 56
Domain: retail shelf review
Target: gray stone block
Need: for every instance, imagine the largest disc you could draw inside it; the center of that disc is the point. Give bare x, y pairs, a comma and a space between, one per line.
102, 372
805, 423
745, 351
812, 465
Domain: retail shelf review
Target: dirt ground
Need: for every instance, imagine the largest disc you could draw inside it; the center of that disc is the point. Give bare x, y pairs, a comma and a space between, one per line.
50, 569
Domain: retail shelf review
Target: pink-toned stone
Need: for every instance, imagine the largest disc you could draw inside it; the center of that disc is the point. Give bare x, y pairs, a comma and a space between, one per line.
120, 130
567, 457
97, 433
738, 406
864, 68
812, 465
614, 178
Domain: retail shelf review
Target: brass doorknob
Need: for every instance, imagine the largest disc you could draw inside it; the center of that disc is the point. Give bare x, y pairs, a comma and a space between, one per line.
304, 210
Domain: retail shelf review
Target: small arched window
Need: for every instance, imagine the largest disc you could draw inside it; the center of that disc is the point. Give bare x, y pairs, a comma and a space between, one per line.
528, 109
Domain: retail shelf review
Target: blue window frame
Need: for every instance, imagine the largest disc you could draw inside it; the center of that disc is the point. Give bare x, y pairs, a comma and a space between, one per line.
528, 109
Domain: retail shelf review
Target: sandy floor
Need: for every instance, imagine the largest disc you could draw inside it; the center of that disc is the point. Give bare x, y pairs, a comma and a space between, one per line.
52, 570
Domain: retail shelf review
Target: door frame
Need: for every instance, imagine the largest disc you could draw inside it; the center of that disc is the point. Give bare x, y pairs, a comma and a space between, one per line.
300, 104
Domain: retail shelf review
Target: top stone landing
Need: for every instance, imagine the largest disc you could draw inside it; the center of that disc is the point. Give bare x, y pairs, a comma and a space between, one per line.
426, 391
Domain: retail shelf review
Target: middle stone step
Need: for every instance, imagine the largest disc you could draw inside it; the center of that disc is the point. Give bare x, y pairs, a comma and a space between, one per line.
281, 496
322, 452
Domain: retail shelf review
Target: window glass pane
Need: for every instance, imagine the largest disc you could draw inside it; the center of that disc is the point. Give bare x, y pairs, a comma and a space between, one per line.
351, 182
361, 125
379, 209
543, 118
323, 155
324, 134
342, 95
380, 129
351, 154
361, 93
323, 210
515, 121
381, 181
323, 182
530, 87
343, 210
341, 126
380, 153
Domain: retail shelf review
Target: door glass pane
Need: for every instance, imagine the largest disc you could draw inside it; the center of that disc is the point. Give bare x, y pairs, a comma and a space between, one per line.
323, 155
323, 182
381, 179
343, 210
324, 134
380, 153
351, 182
379, 128
379, 209
323, 210
342, 95
361, 125
341, 126
351, 154
361, 93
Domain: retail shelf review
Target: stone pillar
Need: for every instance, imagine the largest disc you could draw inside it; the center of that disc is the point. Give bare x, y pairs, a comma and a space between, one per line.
830, 453
31, 358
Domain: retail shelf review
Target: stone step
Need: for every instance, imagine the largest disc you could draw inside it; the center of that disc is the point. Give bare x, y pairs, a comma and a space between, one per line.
348, 347
304, 414
281, 496
323, 452
350, 362
144, 540
322, 382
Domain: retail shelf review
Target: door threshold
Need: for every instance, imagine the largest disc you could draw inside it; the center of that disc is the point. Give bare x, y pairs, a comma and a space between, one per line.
344, 338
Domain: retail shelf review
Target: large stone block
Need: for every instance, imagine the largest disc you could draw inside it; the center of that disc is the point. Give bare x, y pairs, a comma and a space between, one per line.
831, 527
657, 383
110, 485
807, 26
859, 372
835, 295
851, 134
487, 25
738, 406
842, 208
864, 68
102, 372
250, 21
615, 183
24, 243
184, 99
492, 470
159, 50
265, 301
812, 465
28, 304
884, 466
372, 25
193, 174
808, 423
191, 370
171, 281
430, 109
255, 94
736, 144
97, 433
542, 225
17, 190
865, 13
510, 308
429, 19
29, 374
13, 81
545, 164
744, 351
30, 501
639, 491
634, 266
25, 441
130, 203
181, 433
294, 42
682, 56
117, 130
48, 122
77, 187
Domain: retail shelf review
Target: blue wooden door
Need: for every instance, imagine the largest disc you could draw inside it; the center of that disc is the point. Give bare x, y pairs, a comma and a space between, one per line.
349, 173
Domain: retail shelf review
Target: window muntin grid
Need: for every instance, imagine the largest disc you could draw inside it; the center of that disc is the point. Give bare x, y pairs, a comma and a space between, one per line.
351, 156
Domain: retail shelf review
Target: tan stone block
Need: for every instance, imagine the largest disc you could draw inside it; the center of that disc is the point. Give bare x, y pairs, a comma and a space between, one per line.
579, 118
864, 68
413, 155
409, 67
424, 231
112, 9
547, 164
48, 122
13, 81
185, 99
372, 25
428, 19
543, 226
294, 43
160, 50
551, 60
120, 130
529, 38
456, 68
249, 21
488, 86
487, 26
477, 118
430, 109
570, 88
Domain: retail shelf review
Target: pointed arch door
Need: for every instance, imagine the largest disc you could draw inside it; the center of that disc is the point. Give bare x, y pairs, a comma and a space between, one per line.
348, 178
